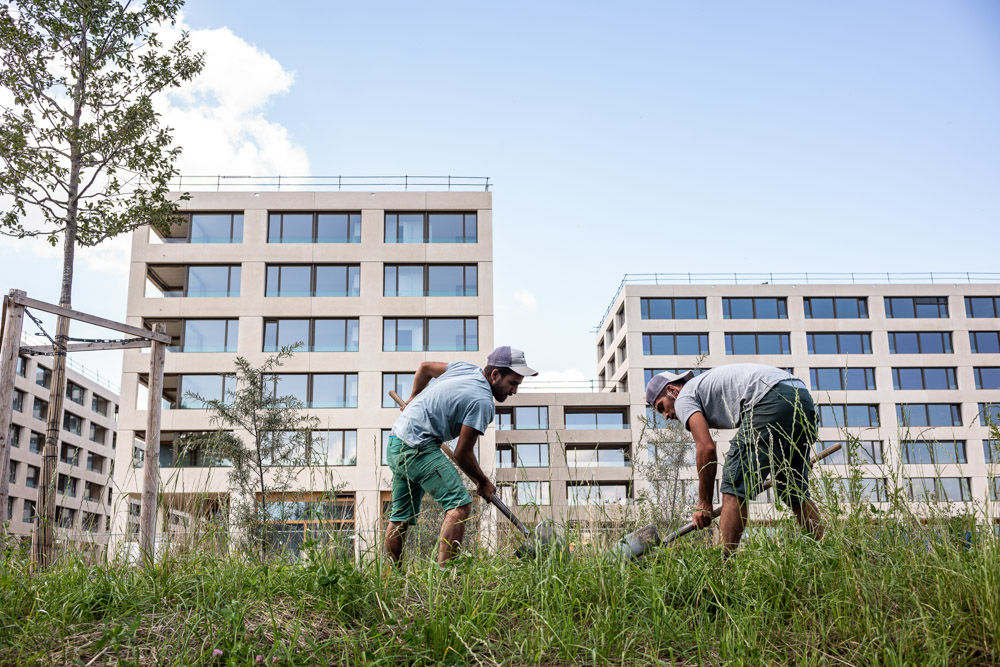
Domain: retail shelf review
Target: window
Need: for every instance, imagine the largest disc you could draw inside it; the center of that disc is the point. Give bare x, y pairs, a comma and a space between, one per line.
190, 449
582, 419
202, 228
693, 344
40, 409
92, 492
67, 485
385, 446
99, 405
321, 335
756, 308
522, 455
916, 306
430, 228
431, 280
648, 373
43, 376
757, 343
14, 435
672, 309
430, 334
91, 522
989, 413
600, 349
846, 308
922, 342
206, 387
523, 418
213, 281
72, 423
18, 400
75, 392
838, 379
939, 489
313, 280
335, 448
603, 456
320, 390
865, 490
928, 414
401, 383
991, 451
32, 477
525, 493
314, 228
923, 378
98, 434
95, 462
69, 454
12, 477
839, 343
622, 353
853, 452
987, 378
599, 494
28, 514
22, 367
210, 335
982, 306
939, 452
984, 342
840, 415
620, 317
327, 519
36, 443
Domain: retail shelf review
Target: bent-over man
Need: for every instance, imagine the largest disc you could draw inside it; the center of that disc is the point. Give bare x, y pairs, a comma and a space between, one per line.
458, 404
775, 421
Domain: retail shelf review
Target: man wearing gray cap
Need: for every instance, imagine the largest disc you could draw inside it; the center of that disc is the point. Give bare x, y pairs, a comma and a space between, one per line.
775, 421
458, 404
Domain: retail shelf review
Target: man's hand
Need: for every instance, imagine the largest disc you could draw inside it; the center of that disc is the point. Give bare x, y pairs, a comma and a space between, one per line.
486, 489
702, 516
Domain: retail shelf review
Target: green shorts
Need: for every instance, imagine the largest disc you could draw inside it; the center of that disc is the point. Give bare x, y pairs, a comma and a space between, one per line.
774, 438
415, 471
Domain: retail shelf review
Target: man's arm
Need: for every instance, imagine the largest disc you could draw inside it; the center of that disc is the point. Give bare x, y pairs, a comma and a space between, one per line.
427, 372
706, 458
465, 457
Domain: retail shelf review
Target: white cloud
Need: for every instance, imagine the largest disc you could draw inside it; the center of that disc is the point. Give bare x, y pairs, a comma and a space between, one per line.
526, 299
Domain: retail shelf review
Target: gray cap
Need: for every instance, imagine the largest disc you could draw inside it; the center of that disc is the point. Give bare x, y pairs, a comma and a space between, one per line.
506, 356
656, 383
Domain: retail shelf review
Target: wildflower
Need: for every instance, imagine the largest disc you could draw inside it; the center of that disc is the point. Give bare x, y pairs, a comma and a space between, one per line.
216, 652
274, 660
259, 660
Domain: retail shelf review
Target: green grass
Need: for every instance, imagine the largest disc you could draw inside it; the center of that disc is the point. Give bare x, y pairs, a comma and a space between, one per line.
894, 592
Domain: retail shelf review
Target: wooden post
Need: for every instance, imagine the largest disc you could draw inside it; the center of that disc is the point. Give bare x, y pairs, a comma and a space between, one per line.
151, 460
9, 347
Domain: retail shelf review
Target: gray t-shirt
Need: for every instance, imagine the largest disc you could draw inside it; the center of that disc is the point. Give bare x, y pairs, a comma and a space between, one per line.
459, 396
723, 393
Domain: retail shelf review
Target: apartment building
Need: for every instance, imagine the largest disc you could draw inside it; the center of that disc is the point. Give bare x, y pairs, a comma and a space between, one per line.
910, 370
372, 284
87, 445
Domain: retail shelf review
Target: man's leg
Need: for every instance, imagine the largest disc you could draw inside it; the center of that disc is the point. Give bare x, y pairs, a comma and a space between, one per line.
395, 535
406, 496
807, 515
452, 532
733, 521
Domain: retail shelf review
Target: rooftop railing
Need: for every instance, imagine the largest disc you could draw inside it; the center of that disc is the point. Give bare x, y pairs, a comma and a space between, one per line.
808, 278
220, 183
568, 386
76, 367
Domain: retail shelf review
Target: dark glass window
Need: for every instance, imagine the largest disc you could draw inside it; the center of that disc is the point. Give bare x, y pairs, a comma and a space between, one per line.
32, 477
43, 376
841, 415
929, 414
430, 334
989, 413
982, 306
754, 308
924, 378
313, 280
987, 378
75, 392
321, 335
522, 455
401, 383
213, 281
848, 308
210, 335
40, 409
694, 344
984, 342
431, 280
837, 379
943, 451
839, 343
204, 228
991, 452
672, 309
916, 306
314, 228
582, 419
922, 342
22, 366
854, 452
757, 343
18, 400
431, 228
531, 418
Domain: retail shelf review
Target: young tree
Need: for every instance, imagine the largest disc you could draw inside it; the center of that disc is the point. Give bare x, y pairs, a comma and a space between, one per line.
670, 449
83, 154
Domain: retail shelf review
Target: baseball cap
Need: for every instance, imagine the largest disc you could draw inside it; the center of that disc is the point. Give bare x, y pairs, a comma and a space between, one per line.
506, 356
656, 383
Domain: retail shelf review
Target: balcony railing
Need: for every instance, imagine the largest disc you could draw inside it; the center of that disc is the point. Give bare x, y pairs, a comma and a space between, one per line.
332, 183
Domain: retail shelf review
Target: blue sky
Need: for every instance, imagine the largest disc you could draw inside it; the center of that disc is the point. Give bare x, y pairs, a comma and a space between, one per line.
632, 137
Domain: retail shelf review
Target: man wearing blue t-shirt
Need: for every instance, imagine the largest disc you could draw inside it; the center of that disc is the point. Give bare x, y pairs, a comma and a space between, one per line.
458, 404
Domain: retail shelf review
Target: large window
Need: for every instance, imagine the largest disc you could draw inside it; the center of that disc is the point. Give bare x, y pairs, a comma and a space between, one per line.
210, 335
72, 423
40, 409
334, 448
430, 334
208, 387
401, 383
612, 493
430, 228
929, 414
984, 342
846, 308
939, 452
34, 473
841, 415
920, 342
431, 280
18, 400
672, 344
321, 335
599, 456
22, 367
756, 308
854, 452
987, 378
989, 413
99, 405
314, 228
212, 281
865, 490
924, 378
757, 343
916, 306
327, 519
837, 379
982, 306
525, 493
313, 280
578, 419
319, 390
528, 418
98, 434
43, 376
839, 343
75, 392
939, 489
202, 228
522, 455
991, 451
672, 309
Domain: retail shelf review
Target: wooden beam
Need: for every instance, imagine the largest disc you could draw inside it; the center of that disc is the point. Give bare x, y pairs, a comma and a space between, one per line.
151, 459
12, 323
90, 319
88, 347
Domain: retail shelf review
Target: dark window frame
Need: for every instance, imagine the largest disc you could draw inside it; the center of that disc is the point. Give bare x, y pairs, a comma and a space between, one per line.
904, 414
353, 218
426, 226
781, 305
425, 291
622, 447
951, 372
645, 309
969, 309
188, 215
508, 416
873, 411
426, 334
647, 344
310, 389
622, 411
312, 281
310, 344
866, 341
229, 281
785, 341
862, 303
515, 458
182, 342
869, 371
974, 341
909, 449
915, 302
977, 372
947, 343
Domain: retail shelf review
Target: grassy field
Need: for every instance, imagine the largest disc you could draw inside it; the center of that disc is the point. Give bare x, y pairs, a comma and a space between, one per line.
891, 592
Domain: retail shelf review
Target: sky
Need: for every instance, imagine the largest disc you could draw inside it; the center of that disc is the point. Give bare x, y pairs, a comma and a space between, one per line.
629, 137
